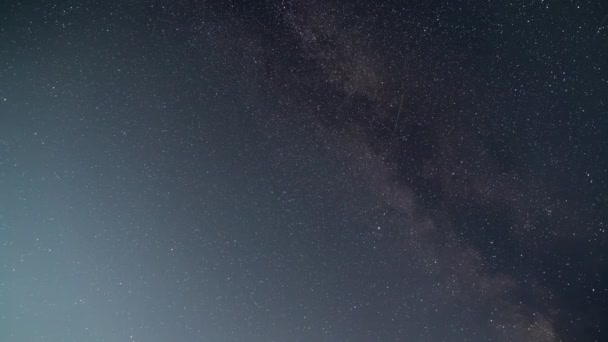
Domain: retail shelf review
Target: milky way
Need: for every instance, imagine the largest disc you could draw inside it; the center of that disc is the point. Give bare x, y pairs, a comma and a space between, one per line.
303, 171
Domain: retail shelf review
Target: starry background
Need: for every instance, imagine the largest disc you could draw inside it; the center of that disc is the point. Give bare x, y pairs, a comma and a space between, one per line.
303, 171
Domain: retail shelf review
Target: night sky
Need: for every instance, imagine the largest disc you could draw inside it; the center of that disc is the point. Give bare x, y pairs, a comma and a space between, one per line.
311, 170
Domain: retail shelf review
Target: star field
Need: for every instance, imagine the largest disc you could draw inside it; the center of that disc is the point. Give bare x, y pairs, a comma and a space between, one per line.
303, 171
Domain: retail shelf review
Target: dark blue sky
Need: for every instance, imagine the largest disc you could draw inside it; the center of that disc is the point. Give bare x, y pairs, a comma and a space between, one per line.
303, 171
